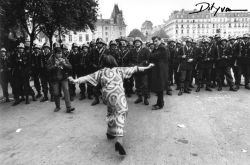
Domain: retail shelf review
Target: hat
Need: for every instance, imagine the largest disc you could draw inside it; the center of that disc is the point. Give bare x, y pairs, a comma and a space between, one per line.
100, 40
217, 36
223, 39
74, 45
46, 45
36, 46
56, 45
231, 38
64, 46
238, 37
178, 42
204, 40
150, 43
137, 39
112, 42
189, 40
21, 45
85, 45
171, 41
3, 50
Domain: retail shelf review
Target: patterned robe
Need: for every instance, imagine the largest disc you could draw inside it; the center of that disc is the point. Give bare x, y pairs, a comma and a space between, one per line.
113, 94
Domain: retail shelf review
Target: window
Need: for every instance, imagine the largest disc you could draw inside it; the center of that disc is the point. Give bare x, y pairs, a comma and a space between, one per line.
106, 28
70, 38
181, 31
106, 33
176, 31
87, 37
230, 25
120, 33
63, 38
107, 39
80, 38
181, 26
187, 31
198, 25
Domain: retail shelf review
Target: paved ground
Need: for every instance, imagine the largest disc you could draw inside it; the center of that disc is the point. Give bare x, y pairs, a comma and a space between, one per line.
217, 132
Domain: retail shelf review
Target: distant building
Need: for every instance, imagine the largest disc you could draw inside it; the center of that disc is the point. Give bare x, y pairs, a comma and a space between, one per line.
182, 24
108, 29
147, 28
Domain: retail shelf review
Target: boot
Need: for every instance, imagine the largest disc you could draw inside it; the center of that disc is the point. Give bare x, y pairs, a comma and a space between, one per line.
57, 109
38, 95
181, 92
45, 98
90, 97
198, 89
138, 100
33, 97
69, 110
27, 101
219, 88
16, 102
187, 91
7, 100
169, 93
96, 101
237, 87
22, 99
208, 89
232, 88
146, 101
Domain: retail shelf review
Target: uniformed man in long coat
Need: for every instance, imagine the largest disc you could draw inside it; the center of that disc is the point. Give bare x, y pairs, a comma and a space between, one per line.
159, 73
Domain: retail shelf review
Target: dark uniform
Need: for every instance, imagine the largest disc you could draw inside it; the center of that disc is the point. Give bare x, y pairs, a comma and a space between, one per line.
171, 48
125, 62
139, 57
96, 59
5, 73
244, 61
205, 65
44, 76
36, 69
223, 65
21, 66
235, 48
74, 61
83, 70
176, 61
186, 68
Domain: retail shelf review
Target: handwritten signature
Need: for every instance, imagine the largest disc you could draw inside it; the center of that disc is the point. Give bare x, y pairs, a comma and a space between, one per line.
210, 7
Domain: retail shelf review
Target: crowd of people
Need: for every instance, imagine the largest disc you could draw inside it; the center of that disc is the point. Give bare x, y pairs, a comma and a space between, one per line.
113, 71
208, 61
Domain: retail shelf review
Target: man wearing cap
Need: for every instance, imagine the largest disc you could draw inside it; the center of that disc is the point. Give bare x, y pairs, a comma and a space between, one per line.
114, 51
178, 52
186, 67
36, 69
59, 68
128, 83
74, 61
205, 64
139, 56
96, 59
83, 70
244, 60
223, 65
44, 74
171, 47
5, 73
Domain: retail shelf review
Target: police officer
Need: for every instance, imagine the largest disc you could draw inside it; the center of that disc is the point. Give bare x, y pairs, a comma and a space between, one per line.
96, 59
83, 70
128, 83
171, 47
139, 56
5, 73
36, 69
223, 65
74, 61
205, 64
176, 61
44, 74
114, 51
186, 67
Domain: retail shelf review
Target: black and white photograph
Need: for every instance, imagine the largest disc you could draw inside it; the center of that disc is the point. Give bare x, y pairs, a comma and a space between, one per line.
124, 82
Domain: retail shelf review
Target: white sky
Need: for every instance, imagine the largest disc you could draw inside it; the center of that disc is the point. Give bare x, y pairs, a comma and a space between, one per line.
135, 12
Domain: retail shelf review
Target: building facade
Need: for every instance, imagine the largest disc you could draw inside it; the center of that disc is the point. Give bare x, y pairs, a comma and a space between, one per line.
182, 24
108, 29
